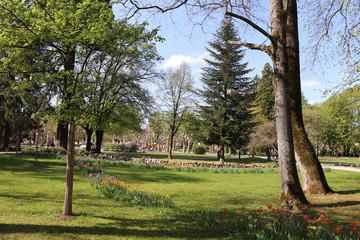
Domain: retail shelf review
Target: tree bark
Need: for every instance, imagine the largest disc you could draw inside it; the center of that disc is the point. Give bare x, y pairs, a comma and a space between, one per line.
99, 139
171, 143
7, 133
62, 135
292, 194
89, 132
314, 180
222, 154
69, 170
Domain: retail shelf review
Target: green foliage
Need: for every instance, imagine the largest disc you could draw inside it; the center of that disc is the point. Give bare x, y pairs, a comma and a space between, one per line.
227, 93
120, 147
341, 121
199, 149
45, 152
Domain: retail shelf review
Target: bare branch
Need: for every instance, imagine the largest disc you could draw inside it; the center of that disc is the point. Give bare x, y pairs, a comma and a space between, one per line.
252, 46
252, 24
161, 9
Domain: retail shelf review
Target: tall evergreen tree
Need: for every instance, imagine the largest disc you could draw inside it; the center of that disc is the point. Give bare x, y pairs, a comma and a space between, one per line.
265, 98
227, 93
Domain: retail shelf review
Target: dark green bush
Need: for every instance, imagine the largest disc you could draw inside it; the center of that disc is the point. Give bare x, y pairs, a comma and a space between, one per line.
198, 149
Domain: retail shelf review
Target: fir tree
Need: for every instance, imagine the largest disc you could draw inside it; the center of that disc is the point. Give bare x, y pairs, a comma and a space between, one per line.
227, 93
265, 98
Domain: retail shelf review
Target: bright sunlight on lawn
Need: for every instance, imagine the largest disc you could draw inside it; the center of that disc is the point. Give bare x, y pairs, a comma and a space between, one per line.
208, 204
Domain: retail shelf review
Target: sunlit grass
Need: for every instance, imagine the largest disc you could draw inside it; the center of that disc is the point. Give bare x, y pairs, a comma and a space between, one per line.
31, 200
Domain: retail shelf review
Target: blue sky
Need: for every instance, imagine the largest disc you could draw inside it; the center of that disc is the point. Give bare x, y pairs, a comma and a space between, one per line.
186, 41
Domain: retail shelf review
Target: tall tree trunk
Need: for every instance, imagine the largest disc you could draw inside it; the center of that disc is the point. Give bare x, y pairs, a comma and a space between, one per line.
99, 139
69, 170
292, 194
69, 83
170, 147
7, 134
18, 140
222, 154
62, 135
89, 132
314, 180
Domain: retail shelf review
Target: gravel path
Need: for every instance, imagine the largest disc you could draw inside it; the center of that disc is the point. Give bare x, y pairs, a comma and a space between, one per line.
351, 169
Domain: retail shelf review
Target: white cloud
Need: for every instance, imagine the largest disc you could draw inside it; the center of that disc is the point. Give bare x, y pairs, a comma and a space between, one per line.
310, 83
176, 60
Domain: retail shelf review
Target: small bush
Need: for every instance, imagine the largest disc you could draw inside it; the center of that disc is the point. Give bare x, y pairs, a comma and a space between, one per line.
198, 149
47, 151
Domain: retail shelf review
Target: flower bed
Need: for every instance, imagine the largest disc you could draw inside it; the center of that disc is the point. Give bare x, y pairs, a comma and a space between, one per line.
116, 189
272, 223
124, 158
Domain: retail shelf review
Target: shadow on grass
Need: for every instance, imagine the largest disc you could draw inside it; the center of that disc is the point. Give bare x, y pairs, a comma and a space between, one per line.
339, 204
177, 227
348, 192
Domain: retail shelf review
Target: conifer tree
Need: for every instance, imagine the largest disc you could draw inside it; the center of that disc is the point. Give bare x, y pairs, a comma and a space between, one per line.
265, 98
227, 92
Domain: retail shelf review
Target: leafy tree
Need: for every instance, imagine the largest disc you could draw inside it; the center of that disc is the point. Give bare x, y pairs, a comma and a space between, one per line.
189, 132
113, 83
264, 138
176, 91
69, 31
314, 125
157, 128
342, 121
227, 92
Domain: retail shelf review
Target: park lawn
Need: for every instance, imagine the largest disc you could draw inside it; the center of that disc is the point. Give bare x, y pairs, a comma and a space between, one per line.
31, 200
335, 160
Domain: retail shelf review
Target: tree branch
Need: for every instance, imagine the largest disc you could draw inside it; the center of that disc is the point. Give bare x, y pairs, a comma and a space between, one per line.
252, 46
252, 24
163, 10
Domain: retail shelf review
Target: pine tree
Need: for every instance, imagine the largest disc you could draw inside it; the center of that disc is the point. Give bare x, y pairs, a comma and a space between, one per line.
265, 98
227, 93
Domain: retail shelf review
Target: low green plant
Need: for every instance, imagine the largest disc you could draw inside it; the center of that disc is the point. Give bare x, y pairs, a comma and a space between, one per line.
199, 149
45, 151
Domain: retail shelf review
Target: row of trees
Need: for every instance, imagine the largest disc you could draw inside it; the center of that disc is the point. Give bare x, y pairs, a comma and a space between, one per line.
223, 111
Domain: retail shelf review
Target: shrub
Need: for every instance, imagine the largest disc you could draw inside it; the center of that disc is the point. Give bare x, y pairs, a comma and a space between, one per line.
48, 151
198, 149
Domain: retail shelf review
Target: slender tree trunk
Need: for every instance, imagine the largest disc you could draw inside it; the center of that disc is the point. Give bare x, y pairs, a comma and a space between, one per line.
222, 154
7, 133
69, 66
18, 140
292, 194
69, 170
99, 139
89, 132
62, 135
171, 143
314, 180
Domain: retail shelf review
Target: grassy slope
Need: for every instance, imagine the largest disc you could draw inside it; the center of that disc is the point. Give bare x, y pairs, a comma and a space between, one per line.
31, 199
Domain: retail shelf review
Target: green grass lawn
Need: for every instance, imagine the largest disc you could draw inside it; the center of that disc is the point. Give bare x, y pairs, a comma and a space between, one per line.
334, 160
31, 200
